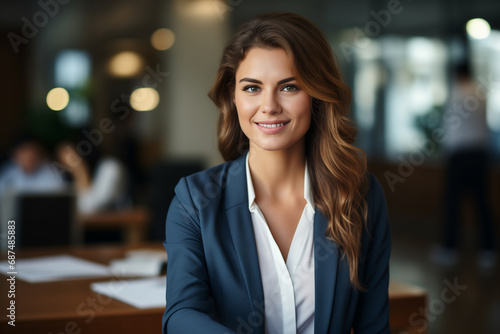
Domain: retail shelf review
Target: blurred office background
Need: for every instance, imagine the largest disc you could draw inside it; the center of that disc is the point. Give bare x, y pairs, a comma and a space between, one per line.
132, 78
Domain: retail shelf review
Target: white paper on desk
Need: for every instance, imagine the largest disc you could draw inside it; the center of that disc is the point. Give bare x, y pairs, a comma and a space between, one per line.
55, 268
140, 262
140, 293
136, 267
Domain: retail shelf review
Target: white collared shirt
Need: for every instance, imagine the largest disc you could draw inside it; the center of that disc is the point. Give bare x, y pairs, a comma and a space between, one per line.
288, 287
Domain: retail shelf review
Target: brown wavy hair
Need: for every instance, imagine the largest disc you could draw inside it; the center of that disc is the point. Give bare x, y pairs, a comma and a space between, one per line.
337, 168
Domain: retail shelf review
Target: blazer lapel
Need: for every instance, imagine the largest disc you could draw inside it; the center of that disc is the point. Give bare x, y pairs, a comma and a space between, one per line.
241, 228
242, 234
326, 258
326, 253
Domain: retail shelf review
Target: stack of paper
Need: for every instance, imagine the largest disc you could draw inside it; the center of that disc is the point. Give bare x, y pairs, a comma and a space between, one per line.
55, 268
139, 263
141, 293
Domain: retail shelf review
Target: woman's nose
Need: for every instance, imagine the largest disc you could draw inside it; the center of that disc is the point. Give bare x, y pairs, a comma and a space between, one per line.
270, 103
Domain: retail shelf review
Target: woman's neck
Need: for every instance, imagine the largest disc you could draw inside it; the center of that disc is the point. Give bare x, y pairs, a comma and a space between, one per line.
277, 175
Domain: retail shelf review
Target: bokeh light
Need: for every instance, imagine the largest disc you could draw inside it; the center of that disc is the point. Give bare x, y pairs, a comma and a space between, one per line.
478, 28
163, 39
202, 9
126, 64
144, 99
57, 98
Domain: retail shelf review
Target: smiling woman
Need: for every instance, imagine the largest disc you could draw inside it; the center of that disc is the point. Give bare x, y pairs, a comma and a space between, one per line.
273, 112
296, 237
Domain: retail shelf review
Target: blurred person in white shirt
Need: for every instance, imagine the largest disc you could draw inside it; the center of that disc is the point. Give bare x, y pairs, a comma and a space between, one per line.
467, 167
101, 183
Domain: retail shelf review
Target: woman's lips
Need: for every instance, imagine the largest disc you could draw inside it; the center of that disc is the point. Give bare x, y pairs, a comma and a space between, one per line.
271, 128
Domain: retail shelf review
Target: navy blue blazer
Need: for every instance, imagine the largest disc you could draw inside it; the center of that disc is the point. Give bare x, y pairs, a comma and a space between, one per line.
213, 277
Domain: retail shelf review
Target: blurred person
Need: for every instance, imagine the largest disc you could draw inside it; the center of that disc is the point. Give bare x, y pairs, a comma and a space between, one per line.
291, 234
28, 169
466, 148
101, 183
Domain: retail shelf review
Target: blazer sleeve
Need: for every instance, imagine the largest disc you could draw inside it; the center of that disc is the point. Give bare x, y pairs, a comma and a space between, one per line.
372, 311
189, 302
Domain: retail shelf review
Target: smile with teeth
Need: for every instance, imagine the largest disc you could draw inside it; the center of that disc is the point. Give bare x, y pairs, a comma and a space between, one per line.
271, 125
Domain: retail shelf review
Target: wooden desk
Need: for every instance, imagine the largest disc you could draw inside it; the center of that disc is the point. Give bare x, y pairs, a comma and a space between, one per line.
404, 300
71, 307
133, 222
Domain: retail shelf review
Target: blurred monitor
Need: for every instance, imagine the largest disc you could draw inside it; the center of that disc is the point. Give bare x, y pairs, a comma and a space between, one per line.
41, 219
164, 177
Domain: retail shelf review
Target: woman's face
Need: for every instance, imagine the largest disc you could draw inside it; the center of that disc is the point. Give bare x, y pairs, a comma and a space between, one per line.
273, 109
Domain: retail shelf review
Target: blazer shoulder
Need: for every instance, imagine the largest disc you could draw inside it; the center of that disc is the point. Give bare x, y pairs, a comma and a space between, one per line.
376, 201
205, 188
375, 191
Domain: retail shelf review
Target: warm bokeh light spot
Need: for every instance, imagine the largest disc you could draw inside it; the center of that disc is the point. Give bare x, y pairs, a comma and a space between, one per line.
57, 98
202, 9
478, 28
126, 64
163, 39
144, 99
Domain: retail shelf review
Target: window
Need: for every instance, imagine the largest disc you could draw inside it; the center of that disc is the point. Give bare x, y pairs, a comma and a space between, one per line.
72, 72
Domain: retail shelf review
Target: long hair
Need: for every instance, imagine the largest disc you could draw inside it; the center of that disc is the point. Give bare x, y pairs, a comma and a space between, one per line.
337, 168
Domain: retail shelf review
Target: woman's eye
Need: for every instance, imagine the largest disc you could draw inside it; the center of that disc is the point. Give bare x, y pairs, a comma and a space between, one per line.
251, 89
289, 88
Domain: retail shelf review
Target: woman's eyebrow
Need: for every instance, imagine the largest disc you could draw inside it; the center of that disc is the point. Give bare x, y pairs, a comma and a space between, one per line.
286, 80
251, 80
260, 82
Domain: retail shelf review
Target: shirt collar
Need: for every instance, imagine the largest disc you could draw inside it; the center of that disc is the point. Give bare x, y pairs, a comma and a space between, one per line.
251, 192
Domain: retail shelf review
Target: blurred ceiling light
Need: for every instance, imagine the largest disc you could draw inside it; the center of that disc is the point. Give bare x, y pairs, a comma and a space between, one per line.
125, 64
478, 28
162, 39
204, 8
144, 99
57, 98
